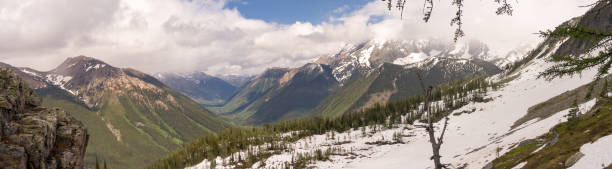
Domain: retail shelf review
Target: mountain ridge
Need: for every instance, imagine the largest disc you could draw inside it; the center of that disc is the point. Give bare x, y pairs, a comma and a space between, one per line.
127, 111
386, 80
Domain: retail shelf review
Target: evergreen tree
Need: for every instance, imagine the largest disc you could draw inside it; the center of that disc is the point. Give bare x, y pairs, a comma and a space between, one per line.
599, 52
604, 90
97, 163
589, 92
213, 164
572, 116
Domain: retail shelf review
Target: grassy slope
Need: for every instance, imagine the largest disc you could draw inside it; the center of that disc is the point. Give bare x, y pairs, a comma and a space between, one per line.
246, 96
562, 101
593, 125
147, 133
340, 102
102, 143
297, 98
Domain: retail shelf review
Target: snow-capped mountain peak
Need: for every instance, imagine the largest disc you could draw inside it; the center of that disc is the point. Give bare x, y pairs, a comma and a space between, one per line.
410, 53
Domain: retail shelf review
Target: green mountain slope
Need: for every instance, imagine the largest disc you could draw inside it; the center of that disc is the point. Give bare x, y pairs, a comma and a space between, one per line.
132, 117
242, 104
393, 82
313, 90
299, 92
345, 97
280, 94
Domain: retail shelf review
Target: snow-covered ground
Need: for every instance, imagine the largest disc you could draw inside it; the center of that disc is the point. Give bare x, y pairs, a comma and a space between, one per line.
474, 138
596, 155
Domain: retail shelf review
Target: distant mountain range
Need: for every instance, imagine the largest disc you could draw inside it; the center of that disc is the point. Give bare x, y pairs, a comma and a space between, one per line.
358, 76
355, 77
236, 80
201, 87
133, 118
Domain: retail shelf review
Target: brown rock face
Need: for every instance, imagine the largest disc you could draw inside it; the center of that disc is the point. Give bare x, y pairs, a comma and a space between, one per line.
35, 137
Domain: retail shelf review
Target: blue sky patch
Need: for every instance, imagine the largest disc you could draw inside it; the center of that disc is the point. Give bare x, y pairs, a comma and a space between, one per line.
291, 11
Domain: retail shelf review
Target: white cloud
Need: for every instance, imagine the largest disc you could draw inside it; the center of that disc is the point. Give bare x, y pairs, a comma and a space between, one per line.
181, 36
341, 9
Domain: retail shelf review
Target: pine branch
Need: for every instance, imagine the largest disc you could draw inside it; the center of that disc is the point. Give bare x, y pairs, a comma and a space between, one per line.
577, 32
457, 20
570, 65
427, 9
603, 70
504, 8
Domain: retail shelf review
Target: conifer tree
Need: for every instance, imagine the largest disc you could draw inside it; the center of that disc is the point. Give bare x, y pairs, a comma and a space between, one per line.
213, 164
97, 163
589, 92
598, 53
572, 116
604, 90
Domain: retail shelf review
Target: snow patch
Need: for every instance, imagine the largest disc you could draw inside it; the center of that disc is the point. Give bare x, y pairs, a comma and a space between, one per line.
97, 66
380, 43
519, 166
596, 155
459, 47
59, 81
364, 59
434, 52
29, 72
411, 58
340, 73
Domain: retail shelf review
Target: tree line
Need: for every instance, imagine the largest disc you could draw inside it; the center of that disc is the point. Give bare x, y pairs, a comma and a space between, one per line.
272, 138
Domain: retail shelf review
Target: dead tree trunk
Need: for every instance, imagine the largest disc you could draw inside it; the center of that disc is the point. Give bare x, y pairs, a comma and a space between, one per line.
435, 144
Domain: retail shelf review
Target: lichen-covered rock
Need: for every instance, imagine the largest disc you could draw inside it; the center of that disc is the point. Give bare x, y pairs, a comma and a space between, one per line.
36, 137
573, 159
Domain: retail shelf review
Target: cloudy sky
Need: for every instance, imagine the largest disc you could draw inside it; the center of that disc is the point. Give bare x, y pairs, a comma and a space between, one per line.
244, 36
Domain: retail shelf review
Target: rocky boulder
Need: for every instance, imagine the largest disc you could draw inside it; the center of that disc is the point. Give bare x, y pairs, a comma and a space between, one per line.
35, 137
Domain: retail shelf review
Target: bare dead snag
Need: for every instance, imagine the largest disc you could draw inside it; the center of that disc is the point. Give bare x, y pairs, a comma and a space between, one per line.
435, 144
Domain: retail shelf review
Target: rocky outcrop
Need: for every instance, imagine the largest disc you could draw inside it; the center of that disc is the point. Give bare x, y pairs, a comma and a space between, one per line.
573, 159
35, 137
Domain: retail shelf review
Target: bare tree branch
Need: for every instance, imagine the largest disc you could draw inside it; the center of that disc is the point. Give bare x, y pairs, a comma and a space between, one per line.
505, 8
435, 145
441, 138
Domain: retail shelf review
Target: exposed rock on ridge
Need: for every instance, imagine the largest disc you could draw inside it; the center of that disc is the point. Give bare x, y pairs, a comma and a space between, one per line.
35, 137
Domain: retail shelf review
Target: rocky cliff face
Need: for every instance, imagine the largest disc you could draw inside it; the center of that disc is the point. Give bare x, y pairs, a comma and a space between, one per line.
33, 136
